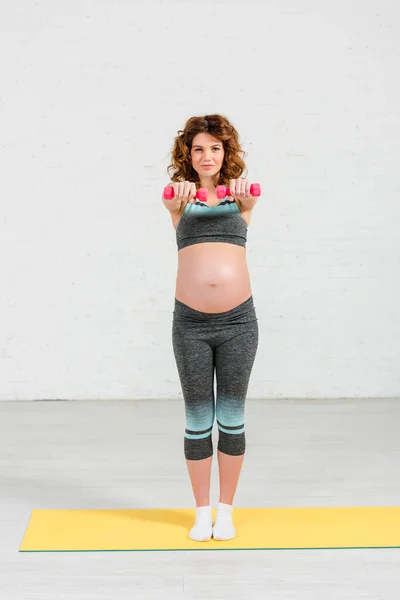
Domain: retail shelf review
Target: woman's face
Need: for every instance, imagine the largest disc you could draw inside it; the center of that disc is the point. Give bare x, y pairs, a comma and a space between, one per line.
207, 150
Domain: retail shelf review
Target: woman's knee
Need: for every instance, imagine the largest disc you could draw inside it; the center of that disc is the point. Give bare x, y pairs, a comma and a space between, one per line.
198, 448
230, 411
233, 444
200, 416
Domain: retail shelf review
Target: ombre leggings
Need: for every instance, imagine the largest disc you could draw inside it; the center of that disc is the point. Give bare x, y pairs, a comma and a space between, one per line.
226, 343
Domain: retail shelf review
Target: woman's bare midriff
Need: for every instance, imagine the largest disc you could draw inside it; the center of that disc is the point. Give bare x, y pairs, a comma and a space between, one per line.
212, 276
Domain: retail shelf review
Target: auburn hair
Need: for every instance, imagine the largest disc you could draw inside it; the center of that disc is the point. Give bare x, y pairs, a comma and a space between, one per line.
218, 126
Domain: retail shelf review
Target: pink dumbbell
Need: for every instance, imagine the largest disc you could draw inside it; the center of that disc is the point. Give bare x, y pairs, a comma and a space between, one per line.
222, 191
201, 194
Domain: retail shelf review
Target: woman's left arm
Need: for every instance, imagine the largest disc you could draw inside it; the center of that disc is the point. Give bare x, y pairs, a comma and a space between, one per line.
240, 191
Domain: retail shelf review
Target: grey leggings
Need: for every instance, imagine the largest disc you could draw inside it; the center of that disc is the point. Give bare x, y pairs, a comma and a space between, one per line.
227, 343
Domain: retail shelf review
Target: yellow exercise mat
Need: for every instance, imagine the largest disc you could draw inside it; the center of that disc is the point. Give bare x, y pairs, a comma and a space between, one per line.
256, 528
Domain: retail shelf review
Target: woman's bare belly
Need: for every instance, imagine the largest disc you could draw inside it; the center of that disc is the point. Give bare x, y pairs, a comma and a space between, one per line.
212, 276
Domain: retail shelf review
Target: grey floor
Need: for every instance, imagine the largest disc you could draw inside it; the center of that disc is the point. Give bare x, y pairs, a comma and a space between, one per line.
125, 454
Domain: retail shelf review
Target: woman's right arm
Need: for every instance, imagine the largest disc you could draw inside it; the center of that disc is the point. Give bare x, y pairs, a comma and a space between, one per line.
184, 192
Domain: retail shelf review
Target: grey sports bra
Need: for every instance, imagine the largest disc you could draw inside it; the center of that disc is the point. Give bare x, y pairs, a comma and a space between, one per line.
202, 223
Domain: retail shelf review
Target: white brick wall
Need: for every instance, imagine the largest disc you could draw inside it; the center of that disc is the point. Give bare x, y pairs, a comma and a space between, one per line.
91, 97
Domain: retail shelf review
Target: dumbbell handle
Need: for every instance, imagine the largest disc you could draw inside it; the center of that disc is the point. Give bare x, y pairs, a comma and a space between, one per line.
201, 194
222, 191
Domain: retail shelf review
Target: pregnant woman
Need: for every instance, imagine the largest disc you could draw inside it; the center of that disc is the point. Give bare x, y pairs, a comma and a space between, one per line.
214, 325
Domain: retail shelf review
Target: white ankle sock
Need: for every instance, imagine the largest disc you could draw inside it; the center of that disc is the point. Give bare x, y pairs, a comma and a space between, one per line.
224, 528
202, 529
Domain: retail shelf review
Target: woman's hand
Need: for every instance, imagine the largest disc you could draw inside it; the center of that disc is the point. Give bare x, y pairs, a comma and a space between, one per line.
184, 192
240, 190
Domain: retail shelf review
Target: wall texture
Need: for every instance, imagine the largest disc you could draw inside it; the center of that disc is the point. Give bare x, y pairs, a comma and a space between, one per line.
92, 95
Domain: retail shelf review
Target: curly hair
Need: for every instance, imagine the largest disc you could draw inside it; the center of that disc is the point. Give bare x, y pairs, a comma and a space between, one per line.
218, 126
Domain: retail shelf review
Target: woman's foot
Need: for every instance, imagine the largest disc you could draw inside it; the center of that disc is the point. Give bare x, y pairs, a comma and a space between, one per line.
224, 528
202, 529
